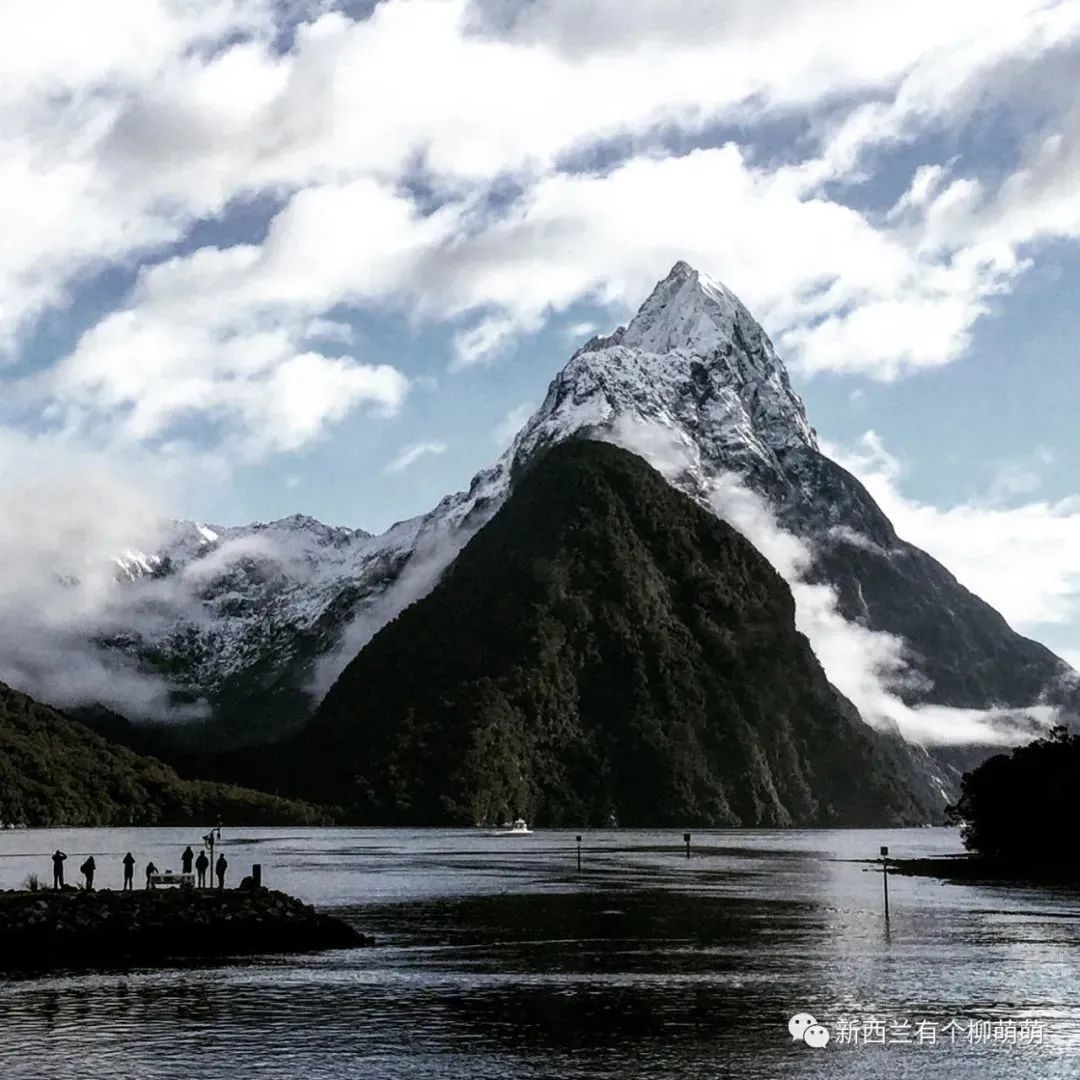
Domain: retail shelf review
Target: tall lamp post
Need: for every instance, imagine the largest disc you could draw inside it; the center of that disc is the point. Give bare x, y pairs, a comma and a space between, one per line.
208, 841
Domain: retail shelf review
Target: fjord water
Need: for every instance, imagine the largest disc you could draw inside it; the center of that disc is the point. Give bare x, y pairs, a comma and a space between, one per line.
496, 958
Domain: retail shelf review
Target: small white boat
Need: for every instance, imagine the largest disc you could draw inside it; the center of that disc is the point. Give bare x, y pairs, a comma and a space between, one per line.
517, 827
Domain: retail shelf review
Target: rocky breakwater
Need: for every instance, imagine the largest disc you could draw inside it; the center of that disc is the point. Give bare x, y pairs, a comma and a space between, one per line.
46, 930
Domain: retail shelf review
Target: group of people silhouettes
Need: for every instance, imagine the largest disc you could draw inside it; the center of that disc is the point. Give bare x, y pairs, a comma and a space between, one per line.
187, 860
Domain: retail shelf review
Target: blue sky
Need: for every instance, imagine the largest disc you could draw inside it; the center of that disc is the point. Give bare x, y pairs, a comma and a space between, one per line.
257, 252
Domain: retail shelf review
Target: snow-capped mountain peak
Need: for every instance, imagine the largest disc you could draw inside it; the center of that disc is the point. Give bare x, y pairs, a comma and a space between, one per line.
687, 311
305, 530
179, 542
693, 360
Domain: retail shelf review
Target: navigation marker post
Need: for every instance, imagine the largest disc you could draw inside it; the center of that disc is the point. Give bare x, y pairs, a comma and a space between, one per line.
686, 840
885, 877
579, 853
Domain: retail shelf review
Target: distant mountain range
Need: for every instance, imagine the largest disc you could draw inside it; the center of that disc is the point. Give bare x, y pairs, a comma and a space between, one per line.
257, 621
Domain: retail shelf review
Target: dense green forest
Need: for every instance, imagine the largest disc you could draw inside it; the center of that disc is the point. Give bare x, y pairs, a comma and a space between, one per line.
55, 771
1021, 807
603, 646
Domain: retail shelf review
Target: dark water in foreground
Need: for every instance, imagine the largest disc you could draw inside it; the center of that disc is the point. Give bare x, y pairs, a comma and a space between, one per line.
497, 959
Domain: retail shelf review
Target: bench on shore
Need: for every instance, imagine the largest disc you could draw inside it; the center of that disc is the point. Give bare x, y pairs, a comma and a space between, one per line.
184, 881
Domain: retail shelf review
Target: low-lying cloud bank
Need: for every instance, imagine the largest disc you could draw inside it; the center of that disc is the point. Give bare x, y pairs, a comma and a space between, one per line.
64, 523
979, 538
870, 668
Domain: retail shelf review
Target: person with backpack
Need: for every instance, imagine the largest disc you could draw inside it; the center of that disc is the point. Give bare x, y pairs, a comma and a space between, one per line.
87, 870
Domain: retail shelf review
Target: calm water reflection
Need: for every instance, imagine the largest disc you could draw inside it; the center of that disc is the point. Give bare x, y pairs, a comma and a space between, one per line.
498, 959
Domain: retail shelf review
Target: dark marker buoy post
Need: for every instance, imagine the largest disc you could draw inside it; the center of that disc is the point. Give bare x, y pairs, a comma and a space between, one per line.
885, 877
686, 840
208, 841
579, 854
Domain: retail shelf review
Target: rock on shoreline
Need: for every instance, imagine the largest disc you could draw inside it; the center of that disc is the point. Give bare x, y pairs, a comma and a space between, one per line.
977, 870
46, 930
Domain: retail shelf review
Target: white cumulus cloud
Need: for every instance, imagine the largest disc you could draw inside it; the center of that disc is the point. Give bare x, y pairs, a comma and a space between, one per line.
1022, 559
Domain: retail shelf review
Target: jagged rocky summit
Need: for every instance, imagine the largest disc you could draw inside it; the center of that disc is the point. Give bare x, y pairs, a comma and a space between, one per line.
258, 621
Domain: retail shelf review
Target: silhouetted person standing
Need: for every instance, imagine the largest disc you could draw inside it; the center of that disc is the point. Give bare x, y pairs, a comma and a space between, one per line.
221, 866
185, 860
202, 864
87, 870
129, 872
151, 869
58, 869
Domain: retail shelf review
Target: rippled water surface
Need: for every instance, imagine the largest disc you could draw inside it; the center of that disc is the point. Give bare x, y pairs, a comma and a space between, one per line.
496, 958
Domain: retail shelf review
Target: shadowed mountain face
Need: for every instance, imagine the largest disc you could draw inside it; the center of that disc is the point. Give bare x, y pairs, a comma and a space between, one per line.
603, 646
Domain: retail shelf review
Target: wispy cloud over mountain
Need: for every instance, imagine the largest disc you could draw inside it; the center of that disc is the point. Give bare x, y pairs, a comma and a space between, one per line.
410, 455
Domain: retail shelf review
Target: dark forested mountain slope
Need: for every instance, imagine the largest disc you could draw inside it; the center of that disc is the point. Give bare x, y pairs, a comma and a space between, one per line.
55, 771
603, 646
